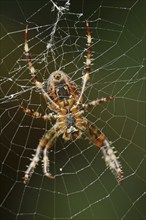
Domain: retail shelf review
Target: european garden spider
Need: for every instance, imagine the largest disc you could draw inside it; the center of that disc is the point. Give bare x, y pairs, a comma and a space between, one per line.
65, 100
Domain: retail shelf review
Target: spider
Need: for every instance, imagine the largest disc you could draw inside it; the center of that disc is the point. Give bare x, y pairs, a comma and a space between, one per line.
65, 100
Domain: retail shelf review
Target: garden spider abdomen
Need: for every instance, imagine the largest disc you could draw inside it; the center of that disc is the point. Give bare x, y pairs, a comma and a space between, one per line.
65, 100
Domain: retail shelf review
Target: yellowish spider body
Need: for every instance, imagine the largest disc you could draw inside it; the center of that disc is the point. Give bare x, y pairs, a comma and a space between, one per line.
65, 100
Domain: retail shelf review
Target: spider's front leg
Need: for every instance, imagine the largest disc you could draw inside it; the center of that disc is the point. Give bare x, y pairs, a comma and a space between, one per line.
33, 72
88, 63
45, 143
108, 153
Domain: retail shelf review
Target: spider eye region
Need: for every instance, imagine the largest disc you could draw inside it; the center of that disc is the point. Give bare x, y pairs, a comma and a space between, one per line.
57, 76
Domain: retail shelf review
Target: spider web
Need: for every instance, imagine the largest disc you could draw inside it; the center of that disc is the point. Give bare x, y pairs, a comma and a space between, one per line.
83, 188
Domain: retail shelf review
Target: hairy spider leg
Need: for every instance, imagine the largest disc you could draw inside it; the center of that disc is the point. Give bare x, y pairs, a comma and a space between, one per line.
49, 138
96, 102
108, 153
33, 164
38, 84
36, 114
88, 62
45, 143
46, 164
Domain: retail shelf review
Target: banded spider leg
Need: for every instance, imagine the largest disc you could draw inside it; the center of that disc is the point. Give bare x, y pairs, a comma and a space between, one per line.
36, 114
45, 143
108, 153
33, 73
88, 63
97, 137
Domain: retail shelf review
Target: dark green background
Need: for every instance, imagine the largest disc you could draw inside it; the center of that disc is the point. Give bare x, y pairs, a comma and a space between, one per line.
42, 199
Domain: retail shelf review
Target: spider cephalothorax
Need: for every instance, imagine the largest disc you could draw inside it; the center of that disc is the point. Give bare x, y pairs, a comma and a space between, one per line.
61, 89
65, 94
64, 99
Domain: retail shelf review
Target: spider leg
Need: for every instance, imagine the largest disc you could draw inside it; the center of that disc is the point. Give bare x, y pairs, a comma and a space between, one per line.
96, 102
38, 115
88, 62
108, 153
33, 71
46, 164
50, 138
33, 164
45, 143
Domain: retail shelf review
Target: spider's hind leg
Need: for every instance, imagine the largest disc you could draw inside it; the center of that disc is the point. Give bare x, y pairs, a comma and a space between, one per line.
46, 164
45, 143
33, 164
49, 138
111, 160
108, 153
